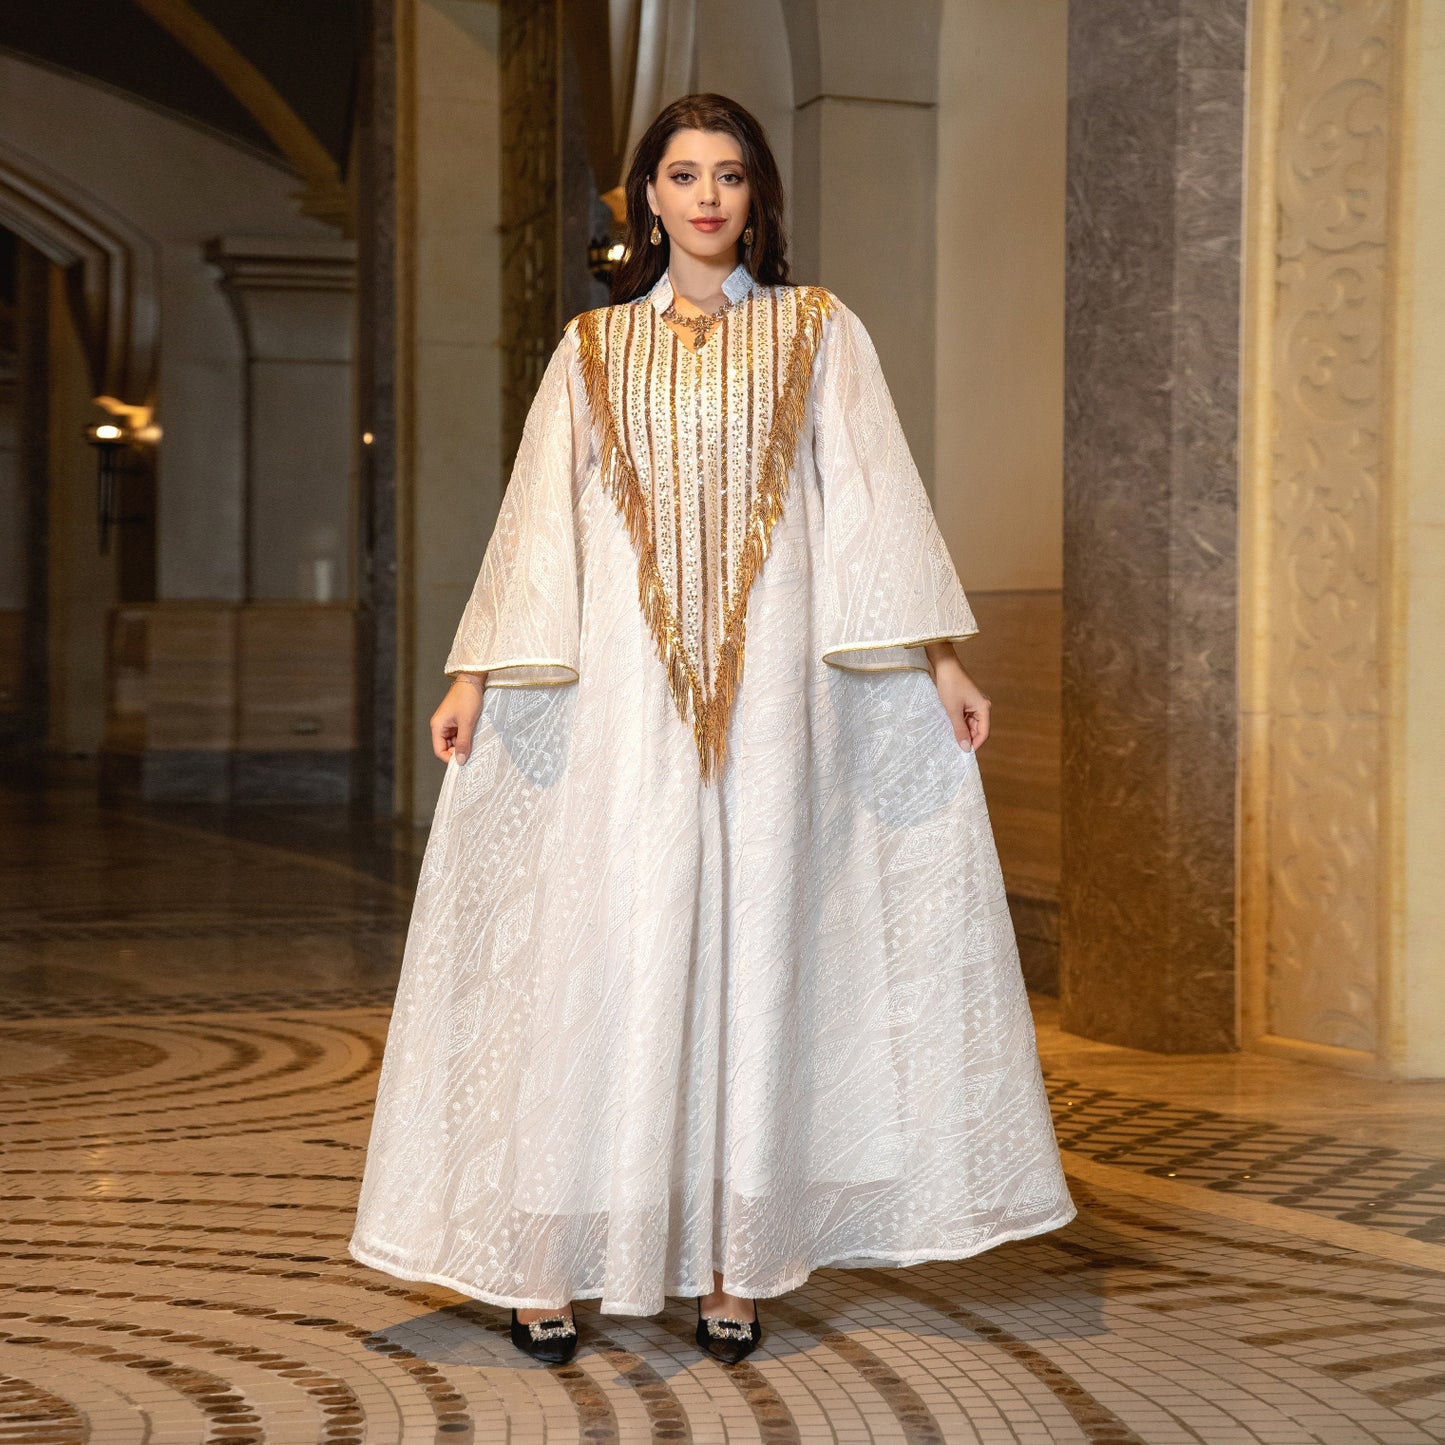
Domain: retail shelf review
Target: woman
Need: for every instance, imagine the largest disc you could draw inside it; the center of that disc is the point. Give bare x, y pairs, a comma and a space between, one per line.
710, 979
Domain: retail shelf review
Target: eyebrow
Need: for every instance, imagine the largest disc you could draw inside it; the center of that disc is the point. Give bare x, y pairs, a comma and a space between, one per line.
694, 164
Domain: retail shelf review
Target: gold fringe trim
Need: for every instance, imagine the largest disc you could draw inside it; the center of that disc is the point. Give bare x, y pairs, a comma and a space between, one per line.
708, 715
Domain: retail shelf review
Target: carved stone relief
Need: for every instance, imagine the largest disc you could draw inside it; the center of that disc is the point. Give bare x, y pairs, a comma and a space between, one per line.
1333, 166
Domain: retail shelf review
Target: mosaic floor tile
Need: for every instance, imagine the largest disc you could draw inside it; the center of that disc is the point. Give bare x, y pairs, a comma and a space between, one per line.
1384, 1188
177, 1193
183, 1144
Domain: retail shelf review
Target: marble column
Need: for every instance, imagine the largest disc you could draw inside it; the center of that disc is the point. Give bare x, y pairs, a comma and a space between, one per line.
377, 325
295, 303
1155, 160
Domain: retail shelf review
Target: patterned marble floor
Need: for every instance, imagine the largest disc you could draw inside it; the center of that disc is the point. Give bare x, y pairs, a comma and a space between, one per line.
194, 1011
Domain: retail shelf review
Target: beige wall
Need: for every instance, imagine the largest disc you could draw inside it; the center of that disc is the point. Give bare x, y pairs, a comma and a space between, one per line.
864, 176
998, 394
450, 308
178, 184
998, 418
742, 52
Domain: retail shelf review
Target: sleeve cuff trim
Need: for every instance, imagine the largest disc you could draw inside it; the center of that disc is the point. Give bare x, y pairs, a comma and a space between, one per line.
551, 664
837, 651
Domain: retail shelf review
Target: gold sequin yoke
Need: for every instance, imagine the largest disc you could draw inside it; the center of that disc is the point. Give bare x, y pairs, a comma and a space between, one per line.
700, 509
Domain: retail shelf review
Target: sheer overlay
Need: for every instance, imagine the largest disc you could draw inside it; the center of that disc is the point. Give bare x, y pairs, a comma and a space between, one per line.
654, 1021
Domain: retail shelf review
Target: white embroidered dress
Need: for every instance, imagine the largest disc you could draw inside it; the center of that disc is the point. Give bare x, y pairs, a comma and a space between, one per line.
710, 963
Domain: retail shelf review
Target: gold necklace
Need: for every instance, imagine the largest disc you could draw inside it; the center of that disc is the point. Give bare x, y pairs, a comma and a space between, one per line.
700, 325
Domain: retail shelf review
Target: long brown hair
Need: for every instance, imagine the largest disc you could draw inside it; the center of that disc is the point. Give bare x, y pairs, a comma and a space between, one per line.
767, 258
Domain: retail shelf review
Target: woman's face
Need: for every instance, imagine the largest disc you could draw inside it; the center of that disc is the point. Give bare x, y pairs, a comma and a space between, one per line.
701, 179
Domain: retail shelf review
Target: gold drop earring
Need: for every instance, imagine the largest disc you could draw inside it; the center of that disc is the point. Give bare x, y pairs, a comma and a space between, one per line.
748, 234
656, 235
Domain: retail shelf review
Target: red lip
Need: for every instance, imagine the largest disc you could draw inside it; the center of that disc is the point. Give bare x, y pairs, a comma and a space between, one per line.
708, 224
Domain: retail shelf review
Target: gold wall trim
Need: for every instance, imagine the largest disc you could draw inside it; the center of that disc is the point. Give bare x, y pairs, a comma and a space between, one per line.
1413, 805
1255, 455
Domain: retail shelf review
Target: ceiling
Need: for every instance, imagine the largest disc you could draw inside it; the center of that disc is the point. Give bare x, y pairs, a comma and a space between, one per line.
306, 49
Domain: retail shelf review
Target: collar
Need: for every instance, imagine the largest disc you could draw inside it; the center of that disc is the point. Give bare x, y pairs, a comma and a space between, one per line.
737, 285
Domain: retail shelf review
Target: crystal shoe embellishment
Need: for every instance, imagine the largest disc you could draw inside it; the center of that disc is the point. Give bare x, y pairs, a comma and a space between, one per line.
550, 1330
725, 1329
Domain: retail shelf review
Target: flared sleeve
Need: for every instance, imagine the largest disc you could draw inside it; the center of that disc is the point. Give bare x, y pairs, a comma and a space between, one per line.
521, 625
887, 570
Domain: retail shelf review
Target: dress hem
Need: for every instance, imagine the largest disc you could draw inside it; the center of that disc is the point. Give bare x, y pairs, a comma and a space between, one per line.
897, 1261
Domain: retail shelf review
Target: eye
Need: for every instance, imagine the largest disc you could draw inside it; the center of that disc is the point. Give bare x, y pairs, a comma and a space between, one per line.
681, 175
735, 177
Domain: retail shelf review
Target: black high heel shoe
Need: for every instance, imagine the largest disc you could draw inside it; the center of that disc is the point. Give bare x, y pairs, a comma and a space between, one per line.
552, 1340
725, 1339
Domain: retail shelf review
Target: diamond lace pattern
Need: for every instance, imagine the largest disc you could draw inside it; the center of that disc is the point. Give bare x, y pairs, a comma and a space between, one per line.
650, 1025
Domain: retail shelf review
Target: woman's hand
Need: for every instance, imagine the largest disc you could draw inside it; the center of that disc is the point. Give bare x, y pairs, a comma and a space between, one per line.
962, 698
454, 722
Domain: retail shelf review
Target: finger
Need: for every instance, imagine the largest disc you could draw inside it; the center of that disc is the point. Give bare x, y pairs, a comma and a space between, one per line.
440, 741
462, 747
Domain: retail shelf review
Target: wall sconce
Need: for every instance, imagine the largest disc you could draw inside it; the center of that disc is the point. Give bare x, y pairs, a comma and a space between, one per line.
604, 254
116, 446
